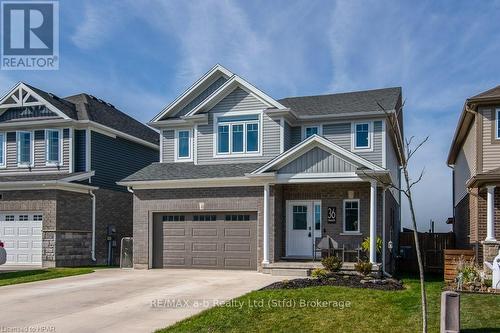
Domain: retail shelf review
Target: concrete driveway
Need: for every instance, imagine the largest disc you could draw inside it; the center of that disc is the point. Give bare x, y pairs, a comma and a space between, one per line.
114, 300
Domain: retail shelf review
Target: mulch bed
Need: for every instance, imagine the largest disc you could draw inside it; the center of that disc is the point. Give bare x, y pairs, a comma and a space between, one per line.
352, 281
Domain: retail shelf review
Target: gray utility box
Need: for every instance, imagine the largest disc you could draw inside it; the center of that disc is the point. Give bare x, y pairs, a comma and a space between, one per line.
450, 312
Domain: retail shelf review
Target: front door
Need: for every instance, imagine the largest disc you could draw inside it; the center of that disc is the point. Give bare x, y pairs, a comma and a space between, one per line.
303, 219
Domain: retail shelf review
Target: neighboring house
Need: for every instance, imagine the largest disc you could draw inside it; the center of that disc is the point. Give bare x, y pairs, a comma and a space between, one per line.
60, 159
475, 158
245, 180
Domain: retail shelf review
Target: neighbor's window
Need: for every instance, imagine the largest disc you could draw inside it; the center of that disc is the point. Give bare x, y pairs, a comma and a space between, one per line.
238, 135
362, 135
184, 144
309, 131
498, 123
2, 149
52, 138
351, 215
24, 148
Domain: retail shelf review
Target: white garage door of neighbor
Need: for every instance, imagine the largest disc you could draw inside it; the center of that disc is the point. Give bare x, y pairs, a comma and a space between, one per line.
22, 236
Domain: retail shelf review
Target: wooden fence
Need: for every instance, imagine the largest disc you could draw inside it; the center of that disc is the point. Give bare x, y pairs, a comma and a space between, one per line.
451, 258
432, 246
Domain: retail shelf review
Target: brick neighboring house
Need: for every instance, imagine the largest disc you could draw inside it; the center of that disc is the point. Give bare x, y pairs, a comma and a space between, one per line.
60, 159
475, 158
246, 181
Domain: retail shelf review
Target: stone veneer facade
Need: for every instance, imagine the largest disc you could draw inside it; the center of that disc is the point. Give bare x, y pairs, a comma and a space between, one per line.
147, 202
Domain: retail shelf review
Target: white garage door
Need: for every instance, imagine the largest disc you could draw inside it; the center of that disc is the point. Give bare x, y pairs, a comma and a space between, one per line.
22, 236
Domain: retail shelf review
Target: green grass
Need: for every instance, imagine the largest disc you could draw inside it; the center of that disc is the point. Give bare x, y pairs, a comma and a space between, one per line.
370, 311
10, 278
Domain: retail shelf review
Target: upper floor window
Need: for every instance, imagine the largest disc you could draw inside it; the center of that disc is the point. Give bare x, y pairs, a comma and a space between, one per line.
498, 122
24, 148
183, 142
362, 138
238, 135
3, 148
53, 146
310, 131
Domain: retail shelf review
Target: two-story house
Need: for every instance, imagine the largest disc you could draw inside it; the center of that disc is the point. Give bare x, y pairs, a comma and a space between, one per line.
245, 181
475, 158
60, 159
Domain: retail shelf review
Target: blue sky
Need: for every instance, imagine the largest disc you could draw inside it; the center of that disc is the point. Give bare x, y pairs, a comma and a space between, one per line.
139, 55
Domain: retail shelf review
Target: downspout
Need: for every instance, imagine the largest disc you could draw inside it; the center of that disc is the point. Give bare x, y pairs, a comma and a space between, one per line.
129, 188
383, 233
92, 195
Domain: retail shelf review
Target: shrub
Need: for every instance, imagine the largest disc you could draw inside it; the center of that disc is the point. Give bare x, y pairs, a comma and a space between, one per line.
332, 263
363, 267
366, 245
468, 271
319, 273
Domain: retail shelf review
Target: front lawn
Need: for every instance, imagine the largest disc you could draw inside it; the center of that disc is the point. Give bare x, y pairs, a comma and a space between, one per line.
40, 274
369, 311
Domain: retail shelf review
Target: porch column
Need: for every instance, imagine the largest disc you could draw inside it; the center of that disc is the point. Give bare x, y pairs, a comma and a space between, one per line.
490, 214
265, 246
373, 221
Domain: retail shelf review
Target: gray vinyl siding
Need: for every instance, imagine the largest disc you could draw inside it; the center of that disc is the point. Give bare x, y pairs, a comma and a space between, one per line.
113, 159
39, 154
239, 100
296, 133
35, 112
80, 150
465, 165
287, 131
167, 138
317, 161
202, 96
340, 133
392, 164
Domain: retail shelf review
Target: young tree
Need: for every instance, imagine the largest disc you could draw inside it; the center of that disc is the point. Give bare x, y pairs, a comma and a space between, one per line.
406, 149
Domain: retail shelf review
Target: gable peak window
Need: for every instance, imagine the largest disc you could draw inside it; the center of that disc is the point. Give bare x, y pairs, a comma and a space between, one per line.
497, 112
238, 135
310, 131
183, 140
362, 135
3, 149
24, 148
53, 146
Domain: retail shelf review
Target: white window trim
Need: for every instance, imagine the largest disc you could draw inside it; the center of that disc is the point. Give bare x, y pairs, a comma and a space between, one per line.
32, 152
497, 114
370, 136
60, 161
305, 127
4, 153
344, 231
230, 154
177, 158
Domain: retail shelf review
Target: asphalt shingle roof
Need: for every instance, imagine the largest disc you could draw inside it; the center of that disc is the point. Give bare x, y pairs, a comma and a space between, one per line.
179, 171
490, 93
37, 177
350, 102
86, 107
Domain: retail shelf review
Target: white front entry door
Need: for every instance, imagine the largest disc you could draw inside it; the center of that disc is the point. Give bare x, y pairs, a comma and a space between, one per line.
303, 220
22, 236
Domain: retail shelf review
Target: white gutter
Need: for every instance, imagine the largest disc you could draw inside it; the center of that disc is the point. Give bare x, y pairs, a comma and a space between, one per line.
383, 234
92, 195
129, 188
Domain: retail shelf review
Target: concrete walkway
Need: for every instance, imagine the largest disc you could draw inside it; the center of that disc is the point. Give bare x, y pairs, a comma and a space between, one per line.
114, 300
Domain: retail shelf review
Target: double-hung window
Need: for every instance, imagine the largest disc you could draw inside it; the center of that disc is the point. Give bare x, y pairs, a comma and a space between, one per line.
238, 135
351, 216
362, 137
183, 142
24, 148
53, 147
497, 111
3, 148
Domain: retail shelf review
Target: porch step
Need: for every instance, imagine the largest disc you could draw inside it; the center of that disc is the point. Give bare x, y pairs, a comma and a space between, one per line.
288, 268
298, 272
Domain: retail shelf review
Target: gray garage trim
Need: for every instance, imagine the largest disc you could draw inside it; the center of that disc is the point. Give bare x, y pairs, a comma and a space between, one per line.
212, 240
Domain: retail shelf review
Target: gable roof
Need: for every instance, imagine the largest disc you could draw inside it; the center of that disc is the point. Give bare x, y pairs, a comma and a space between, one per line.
350, 102
490, 93
310, 143
83, 107
215, 72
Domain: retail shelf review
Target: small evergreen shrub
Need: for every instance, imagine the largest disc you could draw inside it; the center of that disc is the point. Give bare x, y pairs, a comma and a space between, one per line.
332, 263
319, 273
363, 267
